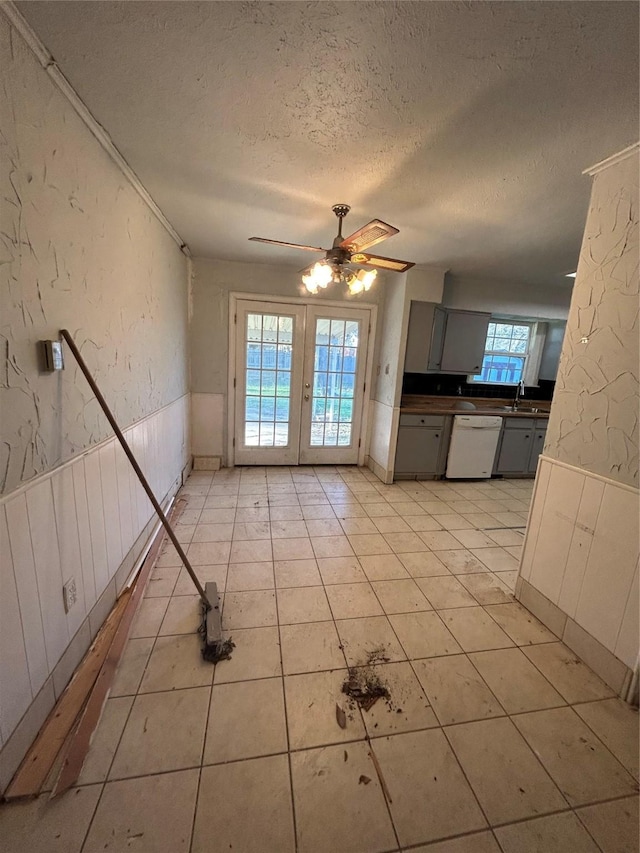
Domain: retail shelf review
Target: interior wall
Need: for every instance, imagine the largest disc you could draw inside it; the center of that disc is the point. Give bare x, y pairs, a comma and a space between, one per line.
510, 298
212, 282
580, 561
81, 251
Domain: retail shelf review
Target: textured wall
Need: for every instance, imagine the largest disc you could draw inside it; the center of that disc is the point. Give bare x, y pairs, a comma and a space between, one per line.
79, 249
594, 418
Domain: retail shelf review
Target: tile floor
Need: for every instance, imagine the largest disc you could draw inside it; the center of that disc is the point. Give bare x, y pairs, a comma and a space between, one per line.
495, 738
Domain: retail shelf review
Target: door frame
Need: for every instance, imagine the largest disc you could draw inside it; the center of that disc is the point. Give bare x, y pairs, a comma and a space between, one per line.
236, 297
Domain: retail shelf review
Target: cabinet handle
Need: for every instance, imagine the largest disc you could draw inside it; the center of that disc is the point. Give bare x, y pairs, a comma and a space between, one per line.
526, 436
437, 435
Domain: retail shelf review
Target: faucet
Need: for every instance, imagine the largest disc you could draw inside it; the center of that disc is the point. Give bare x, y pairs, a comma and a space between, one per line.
519, 393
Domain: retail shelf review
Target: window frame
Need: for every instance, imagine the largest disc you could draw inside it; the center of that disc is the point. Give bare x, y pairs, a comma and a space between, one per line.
473, 379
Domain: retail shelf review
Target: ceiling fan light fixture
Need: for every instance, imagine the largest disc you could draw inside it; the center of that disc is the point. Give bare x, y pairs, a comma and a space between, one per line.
320, 275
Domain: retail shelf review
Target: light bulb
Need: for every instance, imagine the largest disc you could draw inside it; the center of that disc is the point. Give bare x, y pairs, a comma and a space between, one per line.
319, 276
367, 277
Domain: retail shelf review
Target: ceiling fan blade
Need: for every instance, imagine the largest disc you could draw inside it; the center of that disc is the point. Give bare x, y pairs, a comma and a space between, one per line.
289, 245
391, 264
370, 234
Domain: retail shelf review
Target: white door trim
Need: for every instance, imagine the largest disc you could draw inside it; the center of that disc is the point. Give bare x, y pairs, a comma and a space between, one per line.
237, 296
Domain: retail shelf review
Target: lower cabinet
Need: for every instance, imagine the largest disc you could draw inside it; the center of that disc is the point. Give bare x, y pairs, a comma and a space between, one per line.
423, 441
520, 445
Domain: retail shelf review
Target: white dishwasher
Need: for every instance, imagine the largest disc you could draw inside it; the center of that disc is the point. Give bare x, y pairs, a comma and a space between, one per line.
474, 440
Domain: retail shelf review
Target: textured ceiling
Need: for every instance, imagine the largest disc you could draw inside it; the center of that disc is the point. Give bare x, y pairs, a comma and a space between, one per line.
464, 124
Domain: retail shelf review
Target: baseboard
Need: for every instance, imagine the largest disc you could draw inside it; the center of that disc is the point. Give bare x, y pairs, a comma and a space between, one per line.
207, 463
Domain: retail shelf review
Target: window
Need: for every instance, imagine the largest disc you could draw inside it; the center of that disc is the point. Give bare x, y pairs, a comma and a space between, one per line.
505, 354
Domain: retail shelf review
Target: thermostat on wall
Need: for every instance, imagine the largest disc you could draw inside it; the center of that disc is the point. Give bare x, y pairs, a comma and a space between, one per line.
53, 358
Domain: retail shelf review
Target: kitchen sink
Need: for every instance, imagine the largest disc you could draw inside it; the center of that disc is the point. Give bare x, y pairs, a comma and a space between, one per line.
523, 409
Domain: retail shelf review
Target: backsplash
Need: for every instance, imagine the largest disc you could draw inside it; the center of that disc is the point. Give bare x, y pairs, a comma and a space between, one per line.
447, 385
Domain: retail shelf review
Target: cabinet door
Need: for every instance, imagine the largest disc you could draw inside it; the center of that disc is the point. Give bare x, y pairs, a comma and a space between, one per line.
536, 449
515, 451
437, 339
464, 341
417, 450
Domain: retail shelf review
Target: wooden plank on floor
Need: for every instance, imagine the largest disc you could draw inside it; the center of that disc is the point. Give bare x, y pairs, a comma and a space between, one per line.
38, 762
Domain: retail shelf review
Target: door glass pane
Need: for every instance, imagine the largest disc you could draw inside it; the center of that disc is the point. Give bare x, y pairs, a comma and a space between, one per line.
269, 341
335, 362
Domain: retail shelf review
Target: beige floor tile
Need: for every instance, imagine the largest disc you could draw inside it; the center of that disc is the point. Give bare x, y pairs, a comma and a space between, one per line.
252, 513
486, 588
256, 655
423, 635
255, 609
217, 516
461, 562
391, 524
168, 555
324, 527
353, 600
452, 808
245, 530
616, 724
311, 647
470, 538
43, 825
348, 510
571, 678
255, 814
482, 520
175, 663
445, 591
422, 523
288, 529
521, 625
331, 546
515, 681
613, 825
131, 666
369, 543
360, 637
353, 526
383, 567
285, 513
495, 559
376, 507
405, 543
303, 604
508, 579
440, 540
208, 553
401, 596
165, 731
213, 533
216, 573
162, 581
341, 570
311, 710
583, 769
183, 616
246, 720
161, 819
250, 551
293, 549
323, 782
505, 775
454, 521
316, 512
149, 616
407, 709
561, 832
474, 629
292, 573
105, 739
424, 564
455, 690
479, 842
249, 576
506, 538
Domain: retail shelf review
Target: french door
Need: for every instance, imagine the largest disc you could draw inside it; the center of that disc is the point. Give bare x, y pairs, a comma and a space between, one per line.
299, 383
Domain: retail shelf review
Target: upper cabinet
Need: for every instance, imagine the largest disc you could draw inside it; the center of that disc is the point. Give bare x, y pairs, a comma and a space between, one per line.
444, 340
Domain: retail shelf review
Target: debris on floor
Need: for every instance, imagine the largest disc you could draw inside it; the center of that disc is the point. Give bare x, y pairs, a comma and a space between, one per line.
364, 685
221, 651
341, 717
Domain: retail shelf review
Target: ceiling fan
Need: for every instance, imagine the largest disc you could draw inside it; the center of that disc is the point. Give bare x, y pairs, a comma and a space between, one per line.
347, 251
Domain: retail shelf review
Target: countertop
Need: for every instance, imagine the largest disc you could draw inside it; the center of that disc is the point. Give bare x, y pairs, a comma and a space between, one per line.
413, 404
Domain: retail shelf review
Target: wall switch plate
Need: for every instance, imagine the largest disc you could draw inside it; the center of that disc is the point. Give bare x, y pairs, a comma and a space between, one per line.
69, 594
53, 357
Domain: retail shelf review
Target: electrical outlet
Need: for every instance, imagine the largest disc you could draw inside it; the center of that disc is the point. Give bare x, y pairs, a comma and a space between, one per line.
69, 594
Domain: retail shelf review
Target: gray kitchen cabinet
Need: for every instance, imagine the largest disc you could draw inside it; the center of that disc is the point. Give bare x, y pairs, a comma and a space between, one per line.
445, 341
520, 445
422, 446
